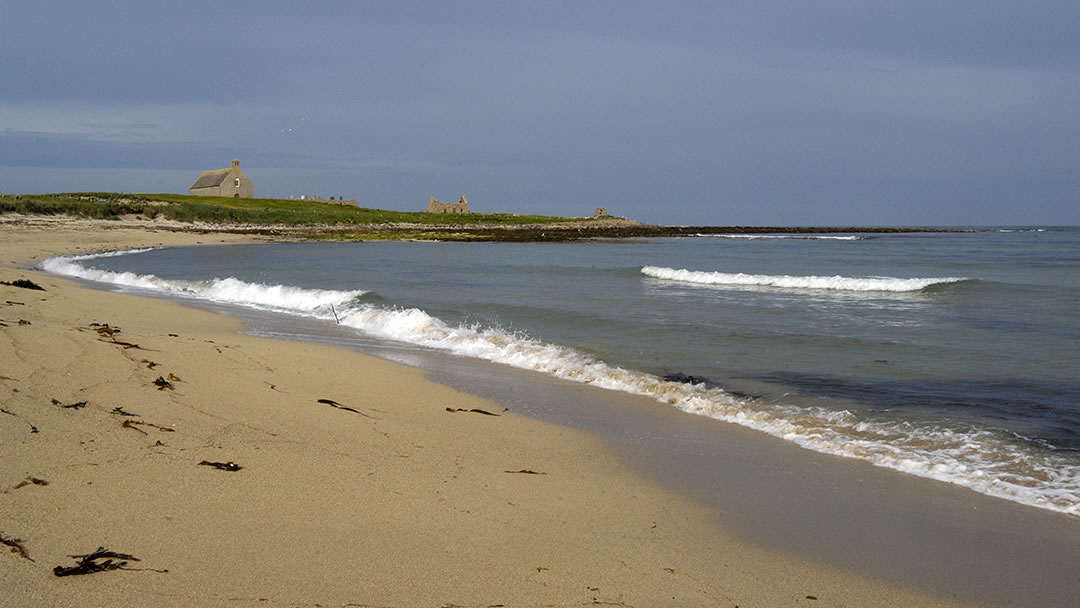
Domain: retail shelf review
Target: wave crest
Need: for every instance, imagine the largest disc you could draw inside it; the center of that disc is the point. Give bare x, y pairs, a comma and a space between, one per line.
836, 283
229, 290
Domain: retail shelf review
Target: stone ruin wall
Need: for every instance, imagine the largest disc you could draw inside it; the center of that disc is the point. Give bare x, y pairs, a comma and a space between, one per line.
462, 206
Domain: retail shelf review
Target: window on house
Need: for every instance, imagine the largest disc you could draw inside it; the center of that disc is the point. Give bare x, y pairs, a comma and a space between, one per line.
236, 182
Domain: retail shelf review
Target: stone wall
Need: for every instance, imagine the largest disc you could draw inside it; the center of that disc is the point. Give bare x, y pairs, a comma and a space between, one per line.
315, 198
462, 206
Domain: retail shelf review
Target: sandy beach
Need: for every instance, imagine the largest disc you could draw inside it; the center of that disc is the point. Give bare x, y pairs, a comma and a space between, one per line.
340, 479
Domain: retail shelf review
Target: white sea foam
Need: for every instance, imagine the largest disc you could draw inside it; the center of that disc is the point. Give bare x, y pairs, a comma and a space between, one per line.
796, 282
977, 459
108, 254
229, 290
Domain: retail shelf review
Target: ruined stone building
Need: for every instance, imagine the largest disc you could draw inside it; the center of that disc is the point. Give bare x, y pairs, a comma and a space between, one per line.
315, 198
462, 206
224, 182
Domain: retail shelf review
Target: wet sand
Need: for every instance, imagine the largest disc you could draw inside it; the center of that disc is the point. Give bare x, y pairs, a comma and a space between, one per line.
846, 513
361, 482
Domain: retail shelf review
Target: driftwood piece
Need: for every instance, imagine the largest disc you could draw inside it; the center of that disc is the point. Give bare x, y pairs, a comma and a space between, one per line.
122, 412
78, 405
89, 563
163, 384
527, 472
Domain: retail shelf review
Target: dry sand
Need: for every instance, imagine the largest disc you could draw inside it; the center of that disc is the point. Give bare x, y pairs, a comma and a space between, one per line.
394, 502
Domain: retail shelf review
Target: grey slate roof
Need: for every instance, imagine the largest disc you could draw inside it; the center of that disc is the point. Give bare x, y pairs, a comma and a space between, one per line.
210, 179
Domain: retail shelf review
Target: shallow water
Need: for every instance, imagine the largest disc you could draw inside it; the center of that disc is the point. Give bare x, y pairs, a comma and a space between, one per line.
951, 356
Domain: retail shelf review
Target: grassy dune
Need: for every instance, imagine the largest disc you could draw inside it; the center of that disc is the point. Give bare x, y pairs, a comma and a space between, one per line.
224, 210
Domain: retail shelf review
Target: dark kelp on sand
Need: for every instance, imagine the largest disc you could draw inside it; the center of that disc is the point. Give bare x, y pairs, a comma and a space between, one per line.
78, 405
339, 406
99, 561
16, 546
24, 283
33, 429
30, 481
134, 425
474, 410
222, 466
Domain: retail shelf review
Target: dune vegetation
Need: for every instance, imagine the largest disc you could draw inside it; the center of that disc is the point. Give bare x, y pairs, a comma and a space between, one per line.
262, 211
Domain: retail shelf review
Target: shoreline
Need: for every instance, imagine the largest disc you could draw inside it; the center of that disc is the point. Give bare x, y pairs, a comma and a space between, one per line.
609, 229
452, 524
843, 512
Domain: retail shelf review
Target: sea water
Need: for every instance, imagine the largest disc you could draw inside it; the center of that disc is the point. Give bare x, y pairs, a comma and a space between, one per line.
952, 356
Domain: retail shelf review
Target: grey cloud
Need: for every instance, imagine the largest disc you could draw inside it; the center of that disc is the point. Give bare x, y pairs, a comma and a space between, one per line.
720, 112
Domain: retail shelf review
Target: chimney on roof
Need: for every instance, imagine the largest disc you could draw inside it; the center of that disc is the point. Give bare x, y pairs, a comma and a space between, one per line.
236, 163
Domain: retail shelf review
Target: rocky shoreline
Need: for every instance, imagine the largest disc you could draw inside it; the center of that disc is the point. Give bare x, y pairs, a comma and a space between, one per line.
613, 228
599, 229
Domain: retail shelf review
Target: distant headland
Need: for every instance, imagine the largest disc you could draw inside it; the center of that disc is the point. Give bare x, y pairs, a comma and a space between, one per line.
328, 220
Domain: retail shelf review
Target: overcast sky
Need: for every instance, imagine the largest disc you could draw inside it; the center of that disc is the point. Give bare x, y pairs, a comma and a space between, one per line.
785, 113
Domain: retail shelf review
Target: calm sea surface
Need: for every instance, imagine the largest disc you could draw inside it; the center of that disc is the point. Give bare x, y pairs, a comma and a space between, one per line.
953, 356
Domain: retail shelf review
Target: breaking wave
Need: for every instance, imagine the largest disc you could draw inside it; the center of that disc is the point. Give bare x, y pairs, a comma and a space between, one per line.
229, 290
789, 282
106, 254
988, 462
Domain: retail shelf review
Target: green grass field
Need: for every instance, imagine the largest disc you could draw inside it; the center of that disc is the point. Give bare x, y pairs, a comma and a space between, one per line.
262, 211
